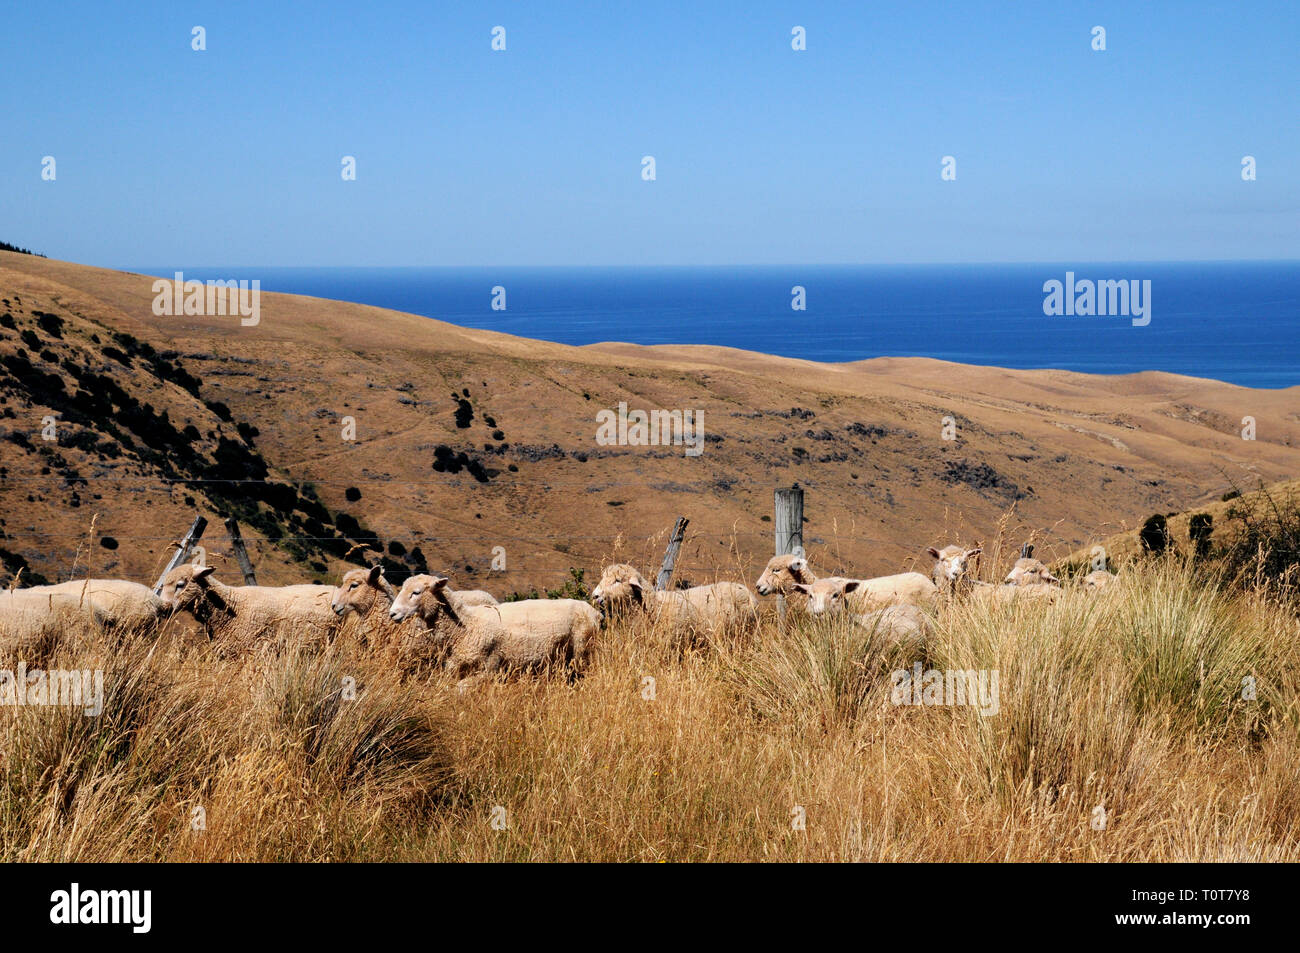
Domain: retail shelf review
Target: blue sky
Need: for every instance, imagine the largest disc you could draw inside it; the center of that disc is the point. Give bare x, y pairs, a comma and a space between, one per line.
530, 156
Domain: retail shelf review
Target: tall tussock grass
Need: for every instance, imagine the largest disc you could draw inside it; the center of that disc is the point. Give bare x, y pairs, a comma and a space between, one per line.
1156, 720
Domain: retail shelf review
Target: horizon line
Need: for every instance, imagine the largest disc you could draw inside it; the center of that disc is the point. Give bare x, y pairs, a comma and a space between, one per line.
844, 264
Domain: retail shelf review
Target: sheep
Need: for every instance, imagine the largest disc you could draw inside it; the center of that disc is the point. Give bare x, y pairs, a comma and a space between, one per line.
362, 590
235, 611
116, 602
899, 624
1098, 580
951, 566
32, 623
367, 594
1030, 572
827, 596
709, 610
532, 635
783, 575
1007, 592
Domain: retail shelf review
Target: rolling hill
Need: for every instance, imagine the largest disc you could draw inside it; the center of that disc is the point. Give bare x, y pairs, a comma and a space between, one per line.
474, 445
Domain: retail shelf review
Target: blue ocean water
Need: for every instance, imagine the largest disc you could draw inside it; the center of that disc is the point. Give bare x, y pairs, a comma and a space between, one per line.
1237, 322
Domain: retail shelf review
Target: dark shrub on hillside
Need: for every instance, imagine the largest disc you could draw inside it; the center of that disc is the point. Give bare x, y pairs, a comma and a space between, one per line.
1263, 541
1154, 534
1199, 531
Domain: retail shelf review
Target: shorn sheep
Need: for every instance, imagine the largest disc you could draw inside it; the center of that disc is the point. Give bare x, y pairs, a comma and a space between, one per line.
783, 574
247, 611
530, 636
708, 611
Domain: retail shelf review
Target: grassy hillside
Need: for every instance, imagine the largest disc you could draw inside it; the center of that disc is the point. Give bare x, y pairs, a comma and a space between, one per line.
466, 441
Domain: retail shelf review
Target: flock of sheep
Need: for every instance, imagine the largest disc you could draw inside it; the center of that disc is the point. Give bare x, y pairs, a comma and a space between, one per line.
473, 637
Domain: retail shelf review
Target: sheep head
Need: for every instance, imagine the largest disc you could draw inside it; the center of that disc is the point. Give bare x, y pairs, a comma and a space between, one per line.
185, 586
784, 574
1098, 579
1031, 572
422, 594
826, 596
952, 562
359, 590
620, 584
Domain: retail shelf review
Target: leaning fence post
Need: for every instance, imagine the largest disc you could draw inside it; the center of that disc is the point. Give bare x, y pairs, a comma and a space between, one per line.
787, 518
183, 551
670, 554
241, 554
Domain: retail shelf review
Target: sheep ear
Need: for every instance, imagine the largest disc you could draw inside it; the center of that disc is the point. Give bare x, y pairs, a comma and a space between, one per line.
203, 572
972, 552
852, 584
1047, 574
801, 588
933, 552
439, 584
375, 572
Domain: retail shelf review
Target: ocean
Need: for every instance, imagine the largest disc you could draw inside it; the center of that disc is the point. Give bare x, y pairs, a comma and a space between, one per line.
1233, 321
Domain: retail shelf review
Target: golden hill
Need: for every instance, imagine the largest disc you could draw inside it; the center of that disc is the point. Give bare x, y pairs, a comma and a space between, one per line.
470, 440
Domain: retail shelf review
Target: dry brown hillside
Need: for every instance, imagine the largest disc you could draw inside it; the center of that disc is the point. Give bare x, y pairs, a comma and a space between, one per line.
470, 440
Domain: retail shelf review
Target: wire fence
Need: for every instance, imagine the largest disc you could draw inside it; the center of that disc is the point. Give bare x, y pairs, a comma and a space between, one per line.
519, 564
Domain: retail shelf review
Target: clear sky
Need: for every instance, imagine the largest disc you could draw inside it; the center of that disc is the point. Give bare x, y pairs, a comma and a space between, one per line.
466, 156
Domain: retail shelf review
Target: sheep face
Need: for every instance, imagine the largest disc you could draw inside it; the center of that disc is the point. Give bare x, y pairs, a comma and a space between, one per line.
420, 594
952, 562
782, 574
184, 586
826, 596
1031, 572
620, 584
357, 592
1097, 580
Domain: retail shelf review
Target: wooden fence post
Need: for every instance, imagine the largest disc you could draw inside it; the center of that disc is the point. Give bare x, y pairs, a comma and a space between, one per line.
787, 519
241, 554
670, 554
183, 551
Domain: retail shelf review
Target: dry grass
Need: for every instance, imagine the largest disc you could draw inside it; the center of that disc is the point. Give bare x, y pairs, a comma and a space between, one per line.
1131, 700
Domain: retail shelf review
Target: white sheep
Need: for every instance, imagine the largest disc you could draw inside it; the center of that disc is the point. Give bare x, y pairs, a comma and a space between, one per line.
1029, 571
368, 595
708, 610
899, 623
1098, 580
32, 623
783, 574
116, 602
246, 611
533, 635
952, 567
